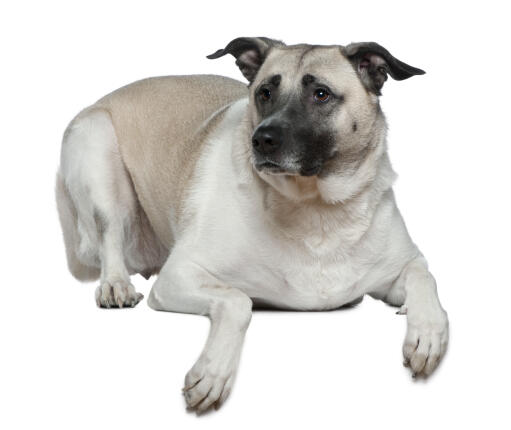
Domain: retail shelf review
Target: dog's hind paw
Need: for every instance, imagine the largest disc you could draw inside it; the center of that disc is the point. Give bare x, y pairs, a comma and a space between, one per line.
118, 294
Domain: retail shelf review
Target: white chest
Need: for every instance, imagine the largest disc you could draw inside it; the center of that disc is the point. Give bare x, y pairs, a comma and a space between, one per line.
301, 265
280, 272
318, 285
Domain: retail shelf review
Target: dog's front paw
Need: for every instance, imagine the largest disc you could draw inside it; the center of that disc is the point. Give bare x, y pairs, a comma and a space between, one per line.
118, 294
208, 383
426, 340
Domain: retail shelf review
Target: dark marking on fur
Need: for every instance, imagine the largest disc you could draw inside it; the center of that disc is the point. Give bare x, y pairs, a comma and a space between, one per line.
354, 126
305, 133
101, 223
275, 80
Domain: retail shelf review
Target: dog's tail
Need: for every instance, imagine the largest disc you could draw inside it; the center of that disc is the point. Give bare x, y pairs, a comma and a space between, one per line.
69, 223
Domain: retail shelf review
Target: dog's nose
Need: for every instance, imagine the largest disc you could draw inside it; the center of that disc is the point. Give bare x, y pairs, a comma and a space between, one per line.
267, 139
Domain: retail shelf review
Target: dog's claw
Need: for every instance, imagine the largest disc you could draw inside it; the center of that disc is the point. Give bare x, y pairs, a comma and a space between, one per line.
188, 387
402, 310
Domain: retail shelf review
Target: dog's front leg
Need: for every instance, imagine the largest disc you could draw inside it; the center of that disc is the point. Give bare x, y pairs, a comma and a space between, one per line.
186, 287
428, 327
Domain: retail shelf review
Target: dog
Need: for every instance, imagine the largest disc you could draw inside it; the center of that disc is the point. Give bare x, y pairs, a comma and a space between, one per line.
276, 194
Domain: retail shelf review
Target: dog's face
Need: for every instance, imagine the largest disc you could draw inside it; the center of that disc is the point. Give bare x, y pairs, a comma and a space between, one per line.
307, 105
311, 106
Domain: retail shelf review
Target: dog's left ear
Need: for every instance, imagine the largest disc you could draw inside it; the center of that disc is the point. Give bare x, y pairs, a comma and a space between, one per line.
373, 62
250, 53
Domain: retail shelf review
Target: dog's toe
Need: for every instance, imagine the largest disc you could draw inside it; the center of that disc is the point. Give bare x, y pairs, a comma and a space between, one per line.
205, 388
424, 346
118, 294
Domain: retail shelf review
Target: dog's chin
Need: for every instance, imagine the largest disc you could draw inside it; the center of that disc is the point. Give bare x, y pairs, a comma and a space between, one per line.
310, 171
271, 168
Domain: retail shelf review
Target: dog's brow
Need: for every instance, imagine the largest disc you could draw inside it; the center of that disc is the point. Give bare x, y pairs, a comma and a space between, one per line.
307, 79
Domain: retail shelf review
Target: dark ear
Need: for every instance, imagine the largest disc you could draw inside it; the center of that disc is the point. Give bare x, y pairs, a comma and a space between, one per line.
373, 62
250, 53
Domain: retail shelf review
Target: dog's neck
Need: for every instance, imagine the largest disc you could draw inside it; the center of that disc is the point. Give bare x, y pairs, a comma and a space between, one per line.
313, 208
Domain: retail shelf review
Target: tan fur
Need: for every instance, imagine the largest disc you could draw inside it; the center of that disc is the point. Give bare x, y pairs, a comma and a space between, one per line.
353, 149
271, 237
160, 125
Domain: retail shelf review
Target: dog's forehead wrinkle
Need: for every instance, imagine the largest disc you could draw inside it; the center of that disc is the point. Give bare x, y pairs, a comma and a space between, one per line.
305, 52
288, 58
300, 65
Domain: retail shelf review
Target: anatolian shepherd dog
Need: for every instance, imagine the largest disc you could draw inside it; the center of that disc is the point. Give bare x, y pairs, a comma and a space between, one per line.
277, 195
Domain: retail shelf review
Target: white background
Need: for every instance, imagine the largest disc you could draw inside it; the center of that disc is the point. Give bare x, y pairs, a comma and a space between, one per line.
66, 364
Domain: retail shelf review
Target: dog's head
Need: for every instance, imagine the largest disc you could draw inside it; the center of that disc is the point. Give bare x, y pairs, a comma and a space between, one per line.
310, 105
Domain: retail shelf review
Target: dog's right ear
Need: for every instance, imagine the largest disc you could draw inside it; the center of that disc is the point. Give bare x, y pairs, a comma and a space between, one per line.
250, 53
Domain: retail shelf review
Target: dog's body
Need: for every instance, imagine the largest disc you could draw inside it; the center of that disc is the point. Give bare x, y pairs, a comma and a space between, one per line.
160, 176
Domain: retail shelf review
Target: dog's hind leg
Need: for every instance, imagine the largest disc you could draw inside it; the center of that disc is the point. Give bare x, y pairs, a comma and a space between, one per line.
94, 188
69, 222
187, 287
115, 289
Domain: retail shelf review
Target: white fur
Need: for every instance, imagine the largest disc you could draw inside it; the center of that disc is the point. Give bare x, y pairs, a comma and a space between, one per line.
92, 182
233, 249
231, 244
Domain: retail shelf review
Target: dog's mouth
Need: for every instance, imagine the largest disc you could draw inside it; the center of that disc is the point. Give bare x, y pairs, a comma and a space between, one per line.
270, 167
273, 168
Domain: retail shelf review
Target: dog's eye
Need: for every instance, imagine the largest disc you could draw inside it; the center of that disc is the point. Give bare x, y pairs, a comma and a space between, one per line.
265, 94
321, 95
